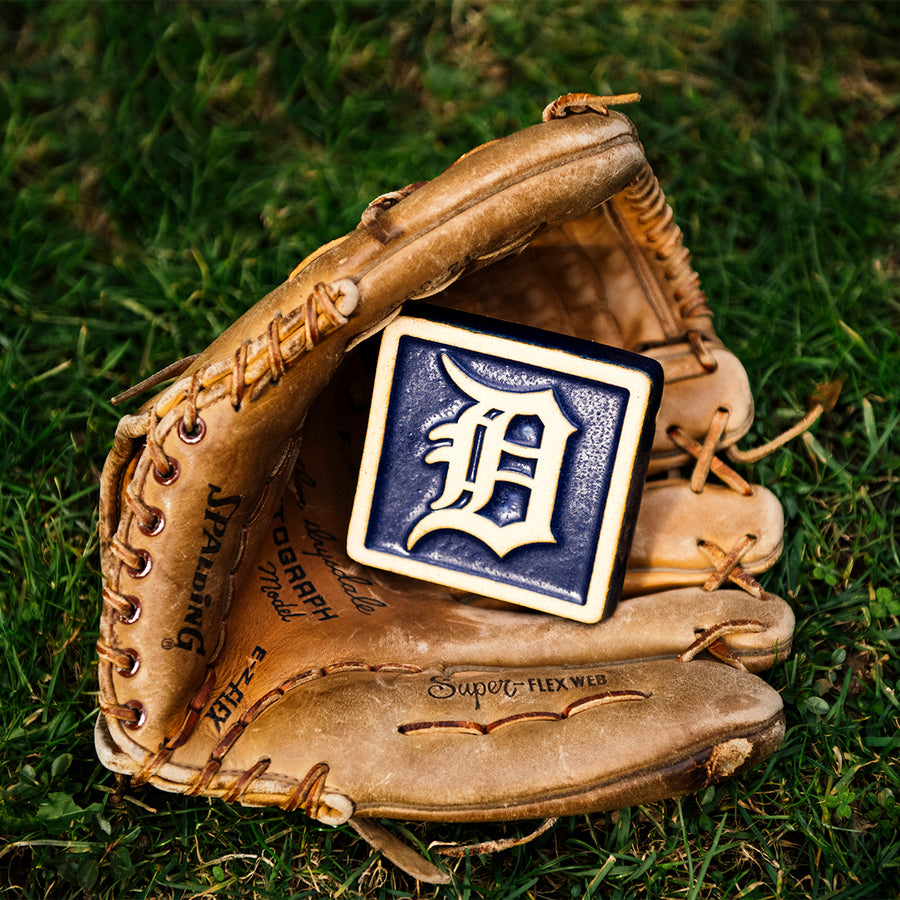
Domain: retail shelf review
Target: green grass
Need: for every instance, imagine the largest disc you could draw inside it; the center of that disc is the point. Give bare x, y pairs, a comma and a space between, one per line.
163, 166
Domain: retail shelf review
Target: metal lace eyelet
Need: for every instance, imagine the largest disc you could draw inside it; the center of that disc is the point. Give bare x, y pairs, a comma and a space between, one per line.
131, 617
144, 571
132, 670
141, 711
170, 477
158, 524
195, 435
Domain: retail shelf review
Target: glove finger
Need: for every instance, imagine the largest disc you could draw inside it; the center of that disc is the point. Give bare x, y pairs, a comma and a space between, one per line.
484, 744
686, 538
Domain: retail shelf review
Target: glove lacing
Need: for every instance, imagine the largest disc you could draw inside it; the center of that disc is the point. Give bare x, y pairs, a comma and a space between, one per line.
255, 365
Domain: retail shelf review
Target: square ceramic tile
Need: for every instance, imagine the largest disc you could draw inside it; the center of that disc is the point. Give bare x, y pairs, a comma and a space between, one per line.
504, 461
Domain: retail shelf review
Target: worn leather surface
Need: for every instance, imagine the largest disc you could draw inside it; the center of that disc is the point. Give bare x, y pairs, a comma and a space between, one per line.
445, 744
242, 653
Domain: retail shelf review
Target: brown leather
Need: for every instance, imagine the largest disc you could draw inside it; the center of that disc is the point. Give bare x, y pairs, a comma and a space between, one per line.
243, 655
675, 524
446, 745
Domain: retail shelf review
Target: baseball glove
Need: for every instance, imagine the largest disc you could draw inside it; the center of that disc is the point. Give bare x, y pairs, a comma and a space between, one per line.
244, 656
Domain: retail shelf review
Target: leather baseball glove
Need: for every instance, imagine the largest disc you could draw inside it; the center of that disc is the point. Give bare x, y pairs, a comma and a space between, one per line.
244, 656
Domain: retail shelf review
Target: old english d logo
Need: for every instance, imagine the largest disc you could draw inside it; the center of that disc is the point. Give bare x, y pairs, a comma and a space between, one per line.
504, 461
480, 451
